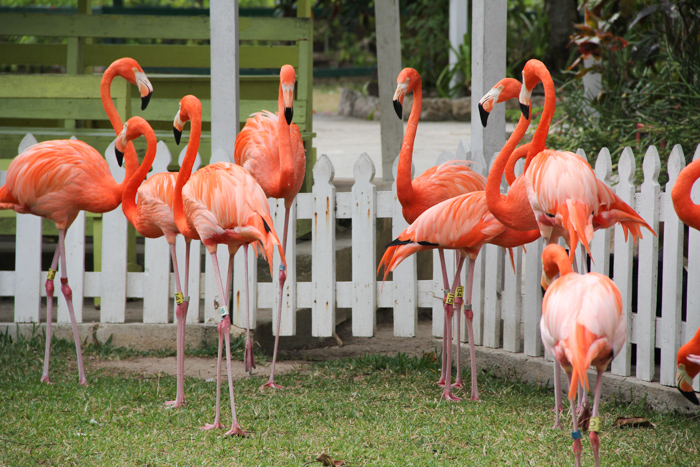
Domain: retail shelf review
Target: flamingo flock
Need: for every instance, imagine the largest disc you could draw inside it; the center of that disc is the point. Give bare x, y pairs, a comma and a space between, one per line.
448, 207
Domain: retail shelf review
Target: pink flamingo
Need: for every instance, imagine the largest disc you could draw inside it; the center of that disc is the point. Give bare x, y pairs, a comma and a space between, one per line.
450, 179
152, 217
462, 223
58, 179
688, 367
270, 148
225, 205
582, 325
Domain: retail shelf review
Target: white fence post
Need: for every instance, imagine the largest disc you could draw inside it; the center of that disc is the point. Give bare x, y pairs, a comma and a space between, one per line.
671, 291
648, 269
288, 326
364, 246
600, 245
28, 269
323, 249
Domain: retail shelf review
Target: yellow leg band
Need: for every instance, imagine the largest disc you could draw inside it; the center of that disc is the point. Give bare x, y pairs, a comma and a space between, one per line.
179, 298
450, 299
52, 274
594, 424
460, 292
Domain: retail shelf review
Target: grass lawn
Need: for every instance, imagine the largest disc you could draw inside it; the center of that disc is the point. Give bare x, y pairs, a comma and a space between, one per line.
375, 410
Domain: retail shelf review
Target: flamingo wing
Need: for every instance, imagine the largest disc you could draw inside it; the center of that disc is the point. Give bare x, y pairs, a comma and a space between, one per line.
154, 205
612, 210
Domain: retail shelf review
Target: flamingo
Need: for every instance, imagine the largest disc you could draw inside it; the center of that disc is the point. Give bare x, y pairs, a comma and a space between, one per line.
224, 204
270, 148
688, 367
582, 325
445, 181
462, 223
57, 179
152, 217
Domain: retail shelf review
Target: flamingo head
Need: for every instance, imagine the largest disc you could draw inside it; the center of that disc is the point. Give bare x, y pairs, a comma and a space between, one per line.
190, 107
407, 81
552, 256
688, 367
133, 128
505, 89
533, 72
130, 70
287, 79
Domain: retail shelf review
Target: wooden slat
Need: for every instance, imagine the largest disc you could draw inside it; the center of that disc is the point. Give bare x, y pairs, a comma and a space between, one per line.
33, 54
75, 265
42, 86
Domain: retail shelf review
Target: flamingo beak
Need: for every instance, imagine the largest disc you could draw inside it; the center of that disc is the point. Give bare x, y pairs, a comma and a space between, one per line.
524, 100
486, 103
398, 108
120, 145
145, 87
398, 98
178, 124
483, 114
683, 386
288, 98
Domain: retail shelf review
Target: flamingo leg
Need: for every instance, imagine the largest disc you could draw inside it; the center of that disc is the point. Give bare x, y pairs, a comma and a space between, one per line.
224, 329
576, 433
469, 316
217, 420
446, 289
595, 421
447, 392
558, 404
181, 314
68, 294
459, 300
248, 358
282, 279
49, 315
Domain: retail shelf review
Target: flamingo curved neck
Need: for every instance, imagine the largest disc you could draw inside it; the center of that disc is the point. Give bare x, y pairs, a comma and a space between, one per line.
687, 211
497, 202
184, 175
539, 139
133, 182
557, 262
284, 139
404, 184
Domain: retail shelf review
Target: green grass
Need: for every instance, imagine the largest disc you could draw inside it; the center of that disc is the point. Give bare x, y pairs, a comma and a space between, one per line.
374, 410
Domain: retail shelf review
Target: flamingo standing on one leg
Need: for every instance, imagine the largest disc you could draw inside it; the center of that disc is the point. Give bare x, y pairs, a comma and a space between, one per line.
437, 184
270, 148
58, 179
152, 217
224, 204
582, 325
688, 367
462, 223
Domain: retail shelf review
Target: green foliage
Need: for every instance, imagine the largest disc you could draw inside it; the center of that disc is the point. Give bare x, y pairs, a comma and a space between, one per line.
424, 38
528, 34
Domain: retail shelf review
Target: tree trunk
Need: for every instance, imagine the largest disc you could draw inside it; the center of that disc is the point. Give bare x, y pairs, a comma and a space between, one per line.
562, 16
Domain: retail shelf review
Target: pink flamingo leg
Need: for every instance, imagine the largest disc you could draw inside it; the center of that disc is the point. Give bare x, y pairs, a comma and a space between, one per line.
576, 433
282, 279
248, 358
224, 330
558, 406
469, 316
181, 313
447, 392
593, 433
446, 289
68, 294
459, 383
49, 316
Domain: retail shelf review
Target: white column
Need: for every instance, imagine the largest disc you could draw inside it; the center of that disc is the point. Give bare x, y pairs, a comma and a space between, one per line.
488, 67
224, 78
389, 63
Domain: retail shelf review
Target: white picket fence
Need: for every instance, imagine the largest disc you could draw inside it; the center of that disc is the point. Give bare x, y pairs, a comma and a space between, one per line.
507, 303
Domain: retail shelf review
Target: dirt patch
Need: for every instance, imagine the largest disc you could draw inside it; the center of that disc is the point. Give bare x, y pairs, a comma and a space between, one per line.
344, 346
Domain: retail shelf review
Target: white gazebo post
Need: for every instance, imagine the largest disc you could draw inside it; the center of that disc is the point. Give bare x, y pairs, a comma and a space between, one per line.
459, 17
389, 64
223, 20
488, 67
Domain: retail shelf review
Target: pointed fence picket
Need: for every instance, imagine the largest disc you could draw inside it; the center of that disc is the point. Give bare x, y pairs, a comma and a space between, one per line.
506, 301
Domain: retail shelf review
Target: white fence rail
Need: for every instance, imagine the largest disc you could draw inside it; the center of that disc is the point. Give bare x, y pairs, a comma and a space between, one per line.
507, 303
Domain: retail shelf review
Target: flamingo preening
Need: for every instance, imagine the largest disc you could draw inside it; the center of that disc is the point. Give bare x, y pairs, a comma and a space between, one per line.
688, 367
447, 180
462, 223
582, 325
57, 179
270, 148
224, 204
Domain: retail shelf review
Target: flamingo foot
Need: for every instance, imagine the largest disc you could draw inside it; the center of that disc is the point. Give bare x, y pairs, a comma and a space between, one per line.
236, 430
83, 382
176, 404
271, 384
459, 384
211, 426
475, 398
441, 382
448, 396
248, 358
45, 379
557, 426
584, 416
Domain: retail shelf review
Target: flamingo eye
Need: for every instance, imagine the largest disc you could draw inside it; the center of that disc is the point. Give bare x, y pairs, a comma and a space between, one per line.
549, 214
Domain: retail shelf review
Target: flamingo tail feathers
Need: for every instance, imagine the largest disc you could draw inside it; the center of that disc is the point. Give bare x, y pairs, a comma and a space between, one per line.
577, 221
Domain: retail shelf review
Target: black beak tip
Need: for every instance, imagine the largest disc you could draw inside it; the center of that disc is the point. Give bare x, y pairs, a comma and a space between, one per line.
690, 395
288, 113
120, 156
544, 291
484, 115
398, 108
178, 134
525, 109
145, 100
